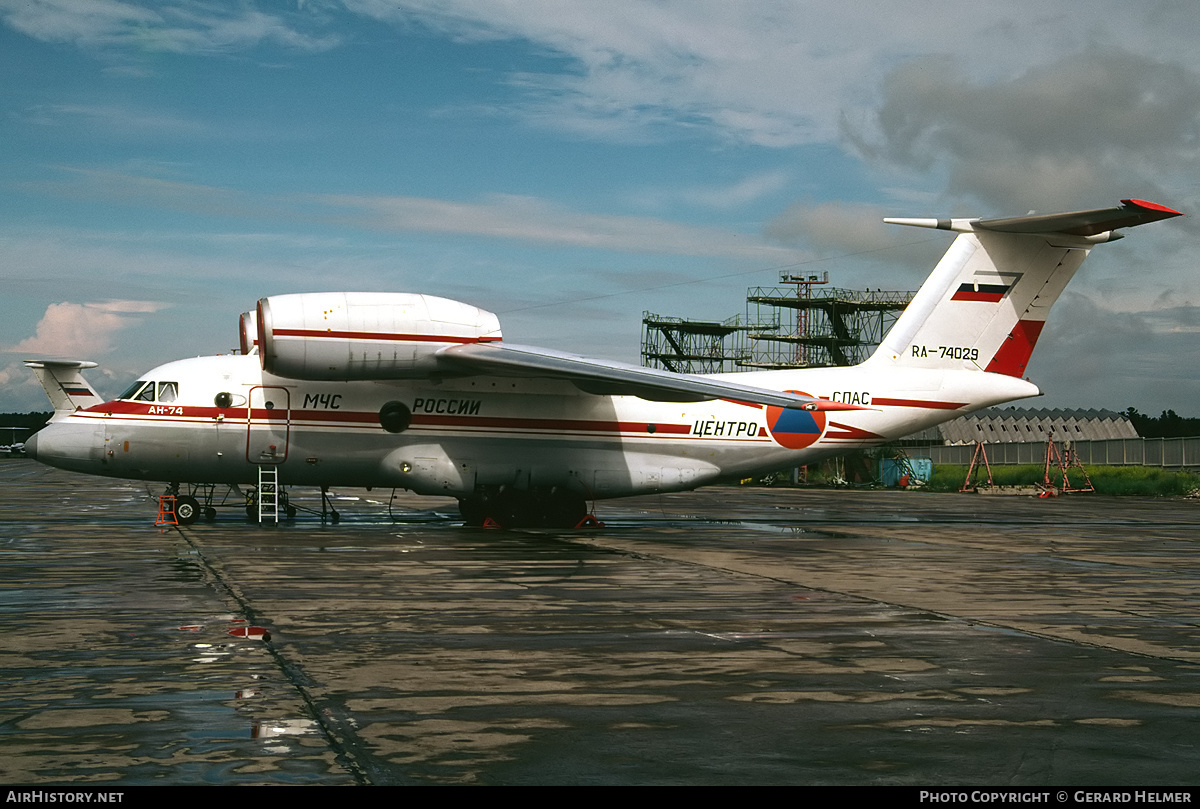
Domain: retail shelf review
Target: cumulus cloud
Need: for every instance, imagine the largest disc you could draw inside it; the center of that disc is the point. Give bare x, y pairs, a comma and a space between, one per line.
1176, 320
78, 330
772, 72
1091, 353
1095, 125
750, 72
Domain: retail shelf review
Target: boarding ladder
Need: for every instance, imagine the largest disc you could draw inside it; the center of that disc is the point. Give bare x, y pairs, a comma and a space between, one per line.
268, 493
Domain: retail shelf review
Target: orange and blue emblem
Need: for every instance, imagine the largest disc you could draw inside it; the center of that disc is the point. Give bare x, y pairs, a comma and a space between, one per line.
795, 429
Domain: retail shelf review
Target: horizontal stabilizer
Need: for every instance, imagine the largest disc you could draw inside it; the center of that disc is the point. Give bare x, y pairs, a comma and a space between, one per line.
1132, 212
65, 385
1084, 224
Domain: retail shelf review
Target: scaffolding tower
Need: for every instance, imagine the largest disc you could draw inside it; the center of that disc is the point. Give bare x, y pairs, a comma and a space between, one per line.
794, 326
799, 327
693, 346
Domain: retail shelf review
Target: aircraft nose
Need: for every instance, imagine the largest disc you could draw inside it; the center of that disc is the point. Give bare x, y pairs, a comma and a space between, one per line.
69, 445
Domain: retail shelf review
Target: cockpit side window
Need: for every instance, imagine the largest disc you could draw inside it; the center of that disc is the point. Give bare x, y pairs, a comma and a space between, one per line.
143, 391
132, 390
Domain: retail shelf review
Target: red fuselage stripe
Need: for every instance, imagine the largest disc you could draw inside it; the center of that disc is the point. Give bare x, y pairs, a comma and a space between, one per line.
129, 411
924, 403
388, 336
552, 424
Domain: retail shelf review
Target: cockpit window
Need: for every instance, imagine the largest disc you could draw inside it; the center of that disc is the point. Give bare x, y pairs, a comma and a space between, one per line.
143, 391
133, 389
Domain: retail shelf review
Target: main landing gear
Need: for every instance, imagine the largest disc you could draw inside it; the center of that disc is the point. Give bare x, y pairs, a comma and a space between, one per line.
188, 508
512, 508
284, 509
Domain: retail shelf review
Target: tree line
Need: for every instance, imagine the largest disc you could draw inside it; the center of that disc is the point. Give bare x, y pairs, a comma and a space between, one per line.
1169, 425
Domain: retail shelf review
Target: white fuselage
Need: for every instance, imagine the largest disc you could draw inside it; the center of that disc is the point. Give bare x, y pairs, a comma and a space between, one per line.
420, 392
484, 431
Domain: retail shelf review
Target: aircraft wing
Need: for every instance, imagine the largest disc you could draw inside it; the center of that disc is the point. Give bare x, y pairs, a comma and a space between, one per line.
608, 378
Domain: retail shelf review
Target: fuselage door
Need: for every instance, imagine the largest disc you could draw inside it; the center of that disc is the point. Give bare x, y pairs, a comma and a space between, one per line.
268, 425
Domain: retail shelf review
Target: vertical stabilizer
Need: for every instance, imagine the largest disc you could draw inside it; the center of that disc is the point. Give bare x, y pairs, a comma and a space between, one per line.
64, 384
986, 302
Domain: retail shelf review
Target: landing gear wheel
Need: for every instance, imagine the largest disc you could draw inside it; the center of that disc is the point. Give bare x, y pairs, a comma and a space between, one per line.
210, 514
187, 509
335, 517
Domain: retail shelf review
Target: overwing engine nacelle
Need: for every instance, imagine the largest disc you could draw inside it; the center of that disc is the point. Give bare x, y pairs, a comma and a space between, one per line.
364, 335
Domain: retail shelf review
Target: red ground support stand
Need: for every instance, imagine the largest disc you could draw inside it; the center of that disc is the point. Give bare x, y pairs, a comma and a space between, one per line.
1064, 459
969, 485
166, 511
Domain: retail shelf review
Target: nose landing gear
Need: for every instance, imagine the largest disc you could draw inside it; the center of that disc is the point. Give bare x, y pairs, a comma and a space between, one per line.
187, 507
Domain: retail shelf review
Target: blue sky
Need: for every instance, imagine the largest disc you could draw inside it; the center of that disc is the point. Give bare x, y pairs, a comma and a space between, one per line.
569, 165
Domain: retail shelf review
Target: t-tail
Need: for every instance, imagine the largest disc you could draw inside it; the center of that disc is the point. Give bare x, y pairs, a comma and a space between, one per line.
65, 385
985, 303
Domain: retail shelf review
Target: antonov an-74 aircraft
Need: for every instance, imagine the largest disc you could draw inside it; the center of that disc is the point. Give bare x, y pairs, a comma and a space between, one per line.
417, 392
